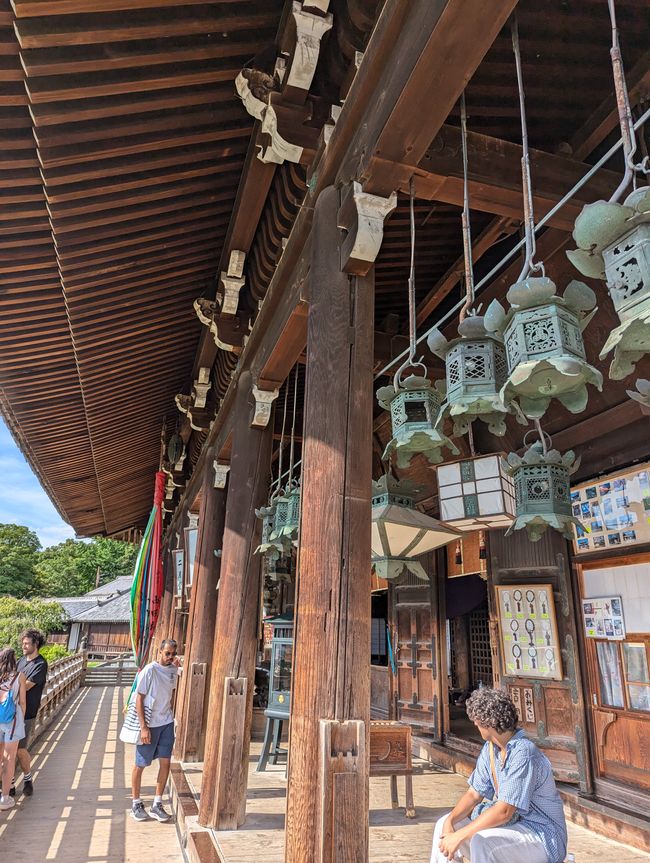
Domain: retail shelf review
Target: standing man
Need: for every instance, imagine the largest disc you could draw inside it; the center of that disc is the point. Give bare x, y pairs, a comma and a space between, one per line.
34, 667
154, 693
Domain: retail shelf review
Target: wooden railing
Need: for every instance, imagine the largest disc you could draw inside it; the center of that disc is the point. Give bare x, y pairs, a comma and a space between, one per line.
63, 678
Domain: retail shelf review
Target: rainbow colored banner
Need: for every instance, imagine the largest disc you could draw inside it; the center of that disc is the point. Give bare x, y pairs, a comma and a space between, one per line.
147, 588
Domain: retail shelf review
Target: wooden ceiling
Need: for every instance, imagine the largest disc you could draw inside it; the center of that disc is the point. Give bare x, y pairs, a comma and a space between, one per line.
123, 147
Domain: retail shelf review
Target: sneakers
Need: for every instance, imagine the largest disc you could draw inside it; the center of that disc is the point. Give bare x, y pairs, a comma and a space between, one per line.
7, 802
28, 787
138, 812
157, 811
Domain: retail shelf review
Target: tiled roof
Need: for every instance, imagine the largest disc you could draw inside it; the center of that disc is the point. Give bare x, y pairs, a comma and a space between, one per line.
115, 610
119, 585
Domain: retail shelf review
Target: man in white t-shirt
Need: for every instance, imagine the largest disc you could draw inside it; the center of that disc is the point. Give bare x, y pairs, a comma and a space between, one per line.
155, 690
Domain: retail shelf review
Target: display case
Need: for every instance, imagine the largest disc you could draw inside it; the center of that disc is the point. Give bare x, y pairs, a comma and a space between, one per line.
281, 663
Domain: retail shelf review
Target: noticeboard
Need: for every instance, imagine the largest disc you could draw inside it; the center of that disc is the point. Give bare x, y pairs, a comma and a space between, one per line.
529, 639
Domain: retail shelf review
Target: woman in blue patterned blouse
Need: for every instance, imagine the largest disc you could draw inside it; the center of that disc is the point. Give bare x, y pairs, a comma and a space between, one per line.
512, 811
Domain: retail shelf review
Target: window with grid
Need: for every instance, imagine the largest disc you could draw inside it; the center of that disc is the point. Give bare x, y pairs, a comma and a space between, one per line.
481, 653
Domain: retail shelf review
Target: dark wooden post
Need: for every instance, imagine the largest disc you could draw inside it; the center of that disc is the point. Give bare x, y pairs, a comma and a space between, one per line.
193, 696
327, 806
167, 606
177, 618
227, 742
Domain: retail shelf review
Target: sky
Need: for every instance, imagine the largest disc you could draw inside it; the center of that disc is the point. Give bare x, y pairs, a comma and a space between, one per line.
22, 500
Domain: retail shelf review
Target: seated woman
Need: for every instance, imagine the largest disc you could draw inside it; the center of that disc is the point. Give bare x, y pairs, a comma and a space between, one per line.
511, 812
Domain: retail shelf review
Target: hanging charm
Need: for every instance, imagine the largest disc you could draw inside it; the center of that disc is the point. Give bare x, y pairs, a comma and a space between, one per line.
543, 490
542, 332
614, 240
401, 533
414, 402
475, 363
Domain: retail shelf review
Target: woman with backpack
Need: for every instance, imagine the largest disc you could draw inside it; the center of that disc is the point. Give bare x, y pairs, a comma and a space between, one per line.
12, 719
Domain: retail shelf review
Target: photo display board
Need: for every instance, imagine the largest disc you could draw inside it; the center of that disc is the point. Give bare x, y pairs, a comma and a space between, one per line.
603, 618
529, 639
613, 511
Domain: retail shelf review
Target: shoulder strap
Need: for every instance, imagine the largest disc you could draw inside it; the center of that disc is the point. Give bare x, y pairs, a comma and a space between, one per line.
495, 781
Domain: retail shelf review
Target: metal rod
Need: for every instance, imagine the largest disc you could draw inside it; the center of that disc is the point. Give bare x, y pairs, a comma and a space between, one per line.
293, 423
467, 230
497, 267
284, 420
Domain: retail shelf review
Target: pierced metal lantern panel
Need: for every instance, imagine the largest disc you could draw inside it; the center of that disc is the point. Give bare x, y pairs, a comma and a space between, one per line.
287, 516
271, 548
545, 351
614, 244
415, 413
477, 493
542, 491
476, 370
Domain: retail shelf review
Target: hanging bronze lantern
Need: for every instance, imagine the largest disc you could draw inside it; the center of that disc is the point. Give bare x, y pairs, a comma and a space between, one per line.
414, 407
476, 370
543, 490
286, 520
614, 244
542, 333
401, 533
271, 547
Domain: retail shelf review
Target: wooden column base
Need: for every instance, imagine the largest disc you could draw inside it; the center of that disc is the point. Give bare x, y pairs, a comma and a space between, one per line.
230, 784
343, 773
189, 744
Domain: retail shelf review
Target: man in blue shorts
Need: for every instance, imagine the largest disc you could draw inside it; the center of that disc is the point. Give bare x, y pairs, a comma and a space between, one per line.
154, 693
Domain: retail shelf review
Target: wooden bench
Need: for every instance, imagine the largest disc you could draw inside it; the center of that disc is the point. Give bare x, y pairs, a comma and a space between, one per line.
390, 755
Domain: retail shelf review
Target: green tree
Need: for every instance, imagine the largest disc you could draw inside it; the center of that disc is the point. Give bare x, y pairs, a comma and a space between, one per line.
19, 614
71, 568
19, 548
60, 571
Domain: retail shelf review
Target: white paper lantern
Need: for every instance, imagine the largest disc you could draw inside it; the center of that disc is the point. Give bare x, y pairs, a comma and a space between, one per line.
476, 493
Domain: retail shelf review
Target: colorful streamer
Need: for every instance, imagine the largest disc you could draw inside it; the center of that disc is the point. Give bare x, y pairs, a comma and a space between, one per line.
147, 588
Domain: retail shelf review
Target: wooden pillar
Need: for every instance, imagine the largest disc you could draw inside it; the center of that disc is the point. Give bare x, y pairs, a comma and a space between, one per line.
227, 743
193, 696
460, 639
327, 805
177, 619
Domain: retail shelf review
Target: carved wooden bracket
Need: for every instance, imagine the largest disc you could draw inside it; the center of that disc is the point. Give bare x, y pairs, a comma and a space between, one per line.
310, 29
220, 474
263, 402
362, 216
201, 387
343, 778
602, 720
228, 333
200, 419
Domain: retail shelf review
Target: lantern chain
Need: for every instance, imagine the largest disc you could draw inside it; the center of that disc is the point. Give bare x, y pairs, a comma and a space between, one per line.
467, 232
293, 426
278, 482
410, 361
624, 113
529, 217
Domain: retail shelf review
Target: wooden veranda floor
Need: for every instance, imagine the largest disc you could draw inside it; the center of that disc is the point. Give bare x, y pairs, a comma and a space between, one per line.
393, 837
79, 811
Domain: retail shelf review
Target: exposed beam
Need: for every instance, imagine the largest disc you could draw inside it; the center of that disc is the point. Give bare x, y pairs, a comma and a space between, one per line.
497, 229
494, 171
437, 51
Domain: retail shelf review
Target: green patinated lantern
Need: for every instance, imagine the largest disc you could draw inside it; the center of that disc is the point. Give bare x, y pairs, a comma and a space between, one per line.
286, 523
542, 333
274, 551
476, 370
641, 395
614, 244
542, 490
401, 533
414, 407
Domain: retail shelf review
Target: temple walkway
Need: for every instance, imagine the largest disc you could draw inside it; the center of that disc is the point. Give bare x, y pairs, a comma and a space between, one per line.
79, 811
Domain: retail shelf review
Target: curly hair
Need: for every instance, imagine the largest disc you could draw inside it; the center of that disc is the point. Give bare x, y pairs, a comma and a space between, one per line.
492, 708
35, 636
8, 665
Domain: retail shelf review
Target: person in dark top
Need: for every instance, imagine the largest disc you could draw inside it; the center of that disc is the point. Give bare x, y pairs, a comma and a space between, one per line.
34, 667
